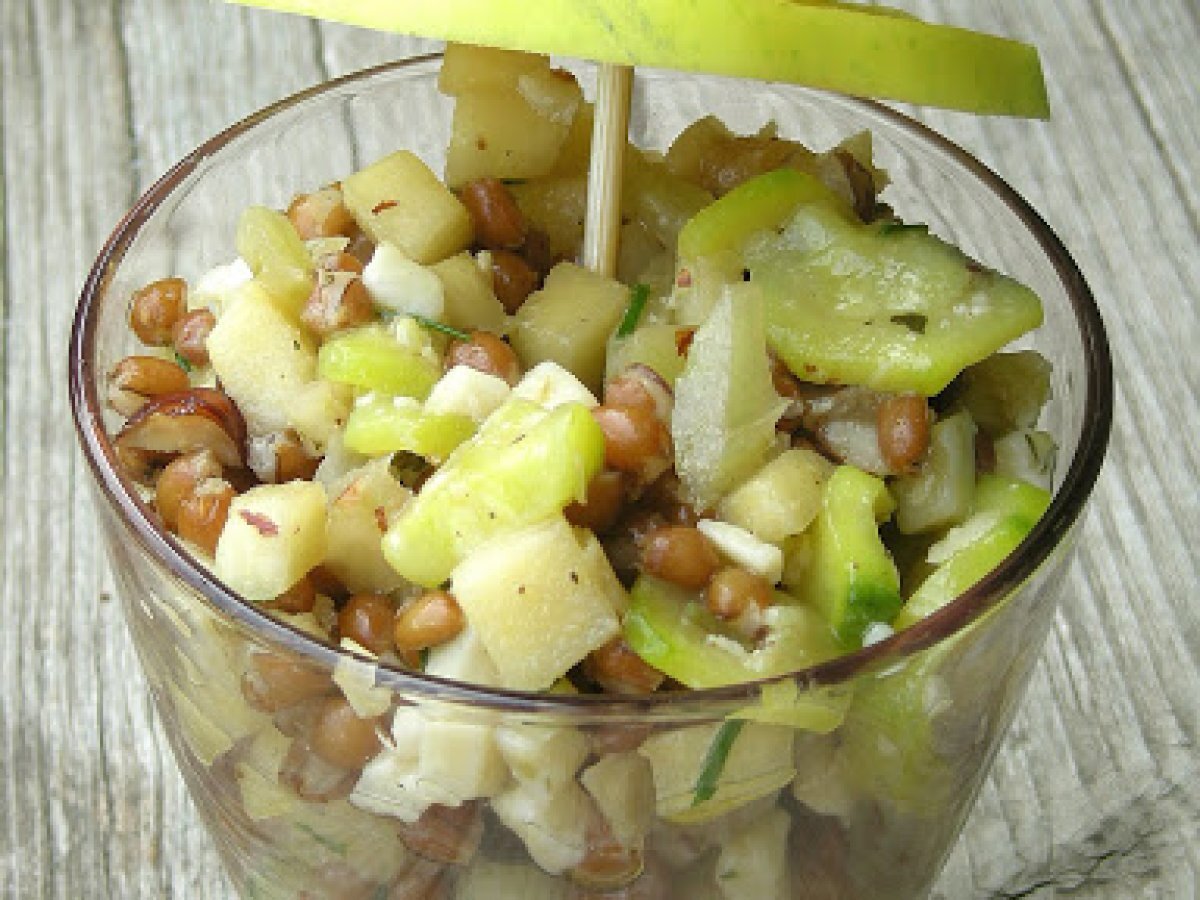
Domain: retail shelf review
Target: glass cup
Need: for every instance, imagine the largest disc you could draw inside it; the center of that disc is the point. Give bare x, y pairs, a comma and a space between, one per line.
850, 779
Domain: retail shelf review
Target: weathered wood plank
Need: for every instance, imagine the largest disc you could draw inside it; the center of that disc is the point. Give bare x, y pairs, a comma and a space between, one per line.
1094, 792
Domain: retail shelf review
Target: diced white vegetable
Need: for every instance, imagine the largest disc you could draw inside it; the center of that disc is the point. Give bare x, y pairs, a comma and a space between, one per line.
275, 533
459, 761
549, 385
940, 493
753, 863
466, 391
742, 548
540, 576
1027, 456
541, 753
819, 783
487, 880
212, 289
398, 283
463, 659
257, 774
622, 785
356, 678
552, 824
759, 762
387, 787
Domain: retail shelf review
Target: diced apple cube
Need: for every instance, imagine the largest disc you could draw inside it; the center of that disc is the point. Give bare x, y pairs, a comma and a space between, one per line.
470, 300
262, 358
551, 823
622, 784
569, 320
539, 601
511, 116
782, 498
400, 200
363, 503
468, 67
318, 410
275, 534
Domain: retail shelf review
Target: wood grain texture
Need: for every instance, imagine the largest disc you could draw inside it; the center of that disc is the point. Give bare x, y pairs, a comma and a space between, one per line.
1095, 793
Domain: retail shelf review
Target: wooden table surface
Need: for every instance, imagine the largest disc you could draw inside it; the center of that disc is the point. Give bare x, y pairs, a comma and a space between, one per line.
1095, 793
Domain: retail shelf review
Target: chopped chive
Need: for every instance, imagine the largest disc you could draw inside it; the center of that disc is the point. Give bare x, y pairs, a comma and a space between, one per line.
183, 363
895, 226
434, 325
638, 295
714, 760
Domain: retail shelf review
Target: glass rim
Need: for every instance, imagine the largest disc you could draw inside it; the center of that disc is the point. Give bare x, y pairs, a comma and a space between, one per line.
1066, 506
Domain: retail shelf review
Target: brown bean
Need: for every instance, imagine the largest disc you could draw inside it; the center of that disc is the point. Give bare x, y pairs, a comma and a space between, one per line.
487, 353
155, 308
903, 425
340, 737
321, 214
301, 597
273, 682
513, 279
340, 262
135, 379
538, 253
368, 620
292, 462
607, 864
449, 834
599, 512
681, 555
179, 481
499, 222
733, 590
635, 439
665, 496
433, 618
338, 300
617, 669
202, 514
190, 336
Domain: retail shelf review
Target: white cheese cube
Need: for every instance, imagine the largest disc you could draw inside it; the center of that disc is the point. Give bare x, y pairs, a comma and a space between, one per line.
467, 392
398, 283
742, 548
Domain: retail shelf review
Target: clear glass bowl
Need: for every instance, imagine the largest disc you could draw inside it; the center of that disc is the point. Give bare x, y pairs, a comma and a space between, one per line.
867, 810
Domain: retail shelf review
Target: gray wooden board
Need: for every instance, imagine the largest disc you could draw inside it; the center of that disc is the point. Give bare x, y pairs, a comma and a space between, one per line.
1095, 792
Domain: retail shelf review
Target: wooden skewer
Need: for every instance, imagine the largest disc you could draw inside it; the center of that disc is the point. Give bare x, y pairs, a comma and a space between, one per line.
602, 224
